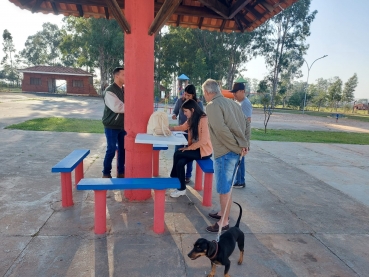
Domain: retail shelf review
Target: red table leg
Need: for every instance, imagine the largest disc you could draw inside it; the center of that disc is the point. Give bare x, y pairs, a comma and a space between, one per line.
100, 211
78, 173
66, 189
159, 211
155, 163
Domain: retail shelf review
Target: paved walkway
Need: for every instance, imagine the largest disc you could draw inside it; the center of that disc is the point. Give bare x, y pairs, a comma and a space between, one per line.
305, 209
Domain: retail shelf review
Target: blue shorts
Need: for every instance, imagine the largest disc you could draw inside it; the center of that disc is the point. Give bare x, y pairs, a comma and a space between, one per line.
224, 171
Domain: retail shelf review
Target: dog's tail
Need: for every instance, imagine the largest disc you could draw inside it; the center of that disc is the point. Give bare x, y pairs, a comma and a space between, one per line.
239, 217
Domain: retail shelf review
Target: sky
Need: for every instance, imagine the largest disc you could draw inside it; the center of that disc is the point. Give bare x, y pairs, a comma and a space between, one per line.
340, 30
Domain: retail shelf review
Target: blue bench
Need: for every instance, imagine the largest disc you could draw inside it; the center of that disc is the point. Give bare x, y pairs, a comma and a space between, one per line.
207, 167
155, 157
65, 167
101, 185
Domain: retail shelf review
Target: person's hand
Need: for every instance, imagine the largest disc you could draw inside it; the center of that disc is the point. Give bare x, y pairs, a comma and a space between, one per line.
174, 116
171, 128
244, 151
183, 149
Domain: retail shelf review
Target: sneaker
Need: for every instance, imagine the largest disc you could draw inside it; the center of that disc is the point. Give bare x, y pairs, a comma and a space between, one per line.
177, 193
239, 186
106, 176
215, 228
187, 180
215, 216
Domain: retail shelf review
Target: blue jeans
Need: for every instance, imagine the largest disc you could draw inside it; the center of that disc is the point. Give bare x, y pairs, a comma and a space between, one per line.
240, 178
224, 168
114, 138
189, 165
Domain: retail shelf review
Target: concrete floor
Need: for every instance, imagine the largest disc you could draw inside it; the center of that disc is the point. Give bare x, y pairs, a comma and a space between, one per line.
305, 208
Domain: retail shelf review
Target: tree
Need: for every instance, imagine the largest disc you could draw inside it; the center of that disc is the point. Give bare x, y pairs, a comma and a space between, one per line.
202, 54
349, 88
43, 47
282, 40
8, 48
93, 43
335, 92
319, 92
298, 95
9, 71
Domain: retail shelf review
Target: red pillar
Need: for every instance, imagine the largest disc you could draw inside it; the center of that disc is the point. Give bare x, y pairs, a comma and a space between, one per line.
139, 91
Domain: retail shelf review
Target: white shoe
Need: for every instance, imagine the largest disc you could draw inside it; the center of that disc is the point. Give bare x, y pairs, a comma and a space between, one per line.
177, 193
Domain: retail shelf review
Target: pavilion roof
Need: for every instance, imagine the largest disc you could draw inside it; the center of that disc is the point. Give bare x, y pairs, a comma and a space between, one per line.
62, 70
213, 15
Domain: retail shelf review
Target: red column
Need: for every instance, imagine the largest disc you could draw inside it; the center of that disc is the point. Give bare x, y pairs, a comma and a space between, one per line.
139, 91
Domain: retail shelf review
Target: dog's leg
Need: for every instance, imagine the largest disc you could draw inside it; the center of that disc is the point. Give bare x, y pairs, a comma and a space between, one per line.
212, 272
227, 266
240, 260
241, 245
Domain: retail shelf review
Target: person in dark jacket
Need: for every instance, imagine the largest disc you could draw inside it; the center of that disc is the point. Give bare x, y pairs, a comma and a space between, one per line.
113, 121
189, 93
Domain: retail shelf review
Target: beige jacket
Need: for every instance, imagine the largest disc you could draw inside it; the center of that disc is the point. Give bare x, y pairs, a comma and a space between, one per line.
228, 126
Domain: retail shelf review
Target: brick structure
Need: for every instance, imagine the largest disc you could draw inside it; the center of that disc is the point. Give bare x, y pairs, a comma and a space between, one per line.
43, 79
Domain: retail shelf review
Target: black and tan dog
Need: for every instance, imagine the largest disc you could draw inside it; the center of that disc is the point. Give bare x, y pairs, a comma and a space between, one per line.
219, 252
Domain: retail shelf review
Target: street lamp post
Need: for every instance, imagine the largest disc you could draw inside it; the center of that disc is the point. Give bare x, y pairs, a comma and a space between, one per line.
307, 80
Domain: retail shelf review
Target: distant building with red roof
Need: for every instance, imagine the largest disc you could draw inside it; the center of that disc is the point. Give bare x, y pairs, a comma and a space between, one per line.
43, 79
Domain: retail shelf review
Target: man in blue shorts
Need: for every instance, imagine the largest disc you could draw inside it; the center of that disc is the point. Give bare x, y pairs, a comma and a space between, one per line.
229, 134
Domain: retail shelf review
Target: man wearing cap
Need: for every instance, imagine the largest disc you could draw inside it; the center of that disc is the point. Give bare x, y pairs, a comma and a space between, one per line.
239, 95
229, 137
113, 121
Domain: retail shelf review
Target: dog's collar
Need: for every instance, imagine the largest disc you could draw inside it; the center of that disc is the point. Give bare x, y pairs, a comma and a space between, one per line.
216, 250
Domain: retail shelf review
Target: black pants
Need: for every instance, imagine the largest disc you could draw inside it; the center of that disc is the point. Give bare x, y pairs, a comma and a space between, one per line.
180, 159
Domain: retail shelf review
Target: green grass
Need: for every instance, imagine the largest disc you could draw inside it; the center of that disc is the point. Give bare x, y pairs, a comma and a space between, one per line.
57, 124
310, 136
359, 117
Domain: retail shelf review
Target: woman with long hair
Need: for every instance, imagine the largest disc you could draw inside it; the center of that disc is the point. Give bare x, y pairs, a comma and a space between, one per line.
199, 144
189, 93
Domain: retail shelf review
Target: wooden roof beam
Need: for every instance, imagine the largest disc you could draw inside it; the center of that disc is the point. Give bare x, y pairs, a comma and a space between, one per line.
107, 15
196, 11
37, 6
266, 5
55, 8
237, 7
166, 10
118, 15
200, 22
238, 22
244, 20
217, 7
80, 10
25, 2
97, 3
223, 25
255, 13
